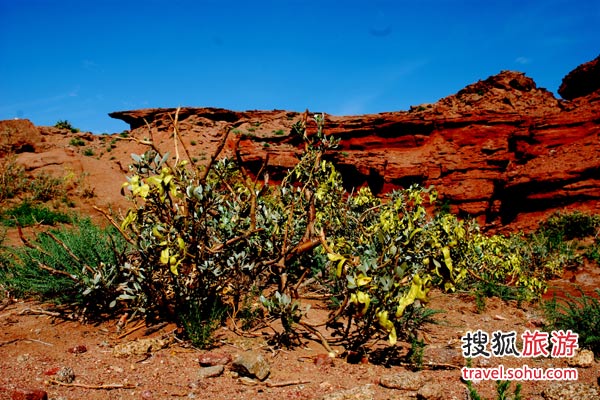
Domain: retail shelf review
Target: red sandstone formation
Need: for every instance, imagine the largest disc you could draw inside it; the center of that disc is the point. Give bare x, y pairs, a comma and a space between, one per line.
582, 81
501, 150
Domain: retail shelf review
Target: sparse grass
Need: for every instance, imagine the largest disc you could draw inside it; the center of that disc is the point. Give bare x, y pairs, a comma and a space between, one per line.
561, 227
200, 322
27, 214
486, 289
279, 132
64, 124
77, 142
14, 183
12, 178
502, 389
250, 314
415, 354
44, 187
593, 251
580, 314
73, 265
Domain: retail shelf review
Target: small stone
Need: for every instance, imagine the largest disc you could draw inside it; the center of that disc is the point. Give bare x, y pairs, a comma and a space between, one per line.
21, 358
244, 380
583, 359
78, 349
252, 364
321, 360
571, 390
210, 372
140, 347
431, 391
117, 369
214, 358
325, 385
358, 393
52, 371
404, 381
65, 374
29, 394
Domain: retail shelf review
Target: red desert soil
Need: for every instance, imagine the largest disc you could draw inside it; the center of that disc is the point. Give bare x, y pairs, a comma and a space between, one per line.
35, 344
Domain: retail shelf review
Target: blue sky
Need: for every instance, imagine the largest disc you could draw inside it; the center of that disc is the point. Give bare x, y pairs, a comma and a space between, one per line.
79, 60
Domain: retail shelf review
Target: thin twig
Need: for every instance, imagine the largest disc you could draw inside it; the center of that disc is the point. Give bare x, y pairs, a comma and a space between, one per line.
9, 342
319, 335
430, 365
130, 331
175, 133
214, 156
39, 341
286, 383
108, 386
114, 223
39, 311
56, 271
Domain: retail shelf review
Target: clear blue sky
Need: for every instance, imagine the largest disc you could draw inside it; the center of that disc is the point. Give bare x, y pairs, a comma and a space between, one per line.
79, 60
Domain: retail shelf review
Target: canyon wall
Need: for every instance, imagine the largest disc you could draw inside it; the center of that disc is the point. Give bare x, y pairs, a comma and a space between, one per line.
501, 150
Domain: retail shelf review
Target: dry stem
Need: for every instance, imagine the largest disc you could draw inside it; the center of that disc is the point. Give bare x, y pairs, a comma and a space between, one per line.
108, 386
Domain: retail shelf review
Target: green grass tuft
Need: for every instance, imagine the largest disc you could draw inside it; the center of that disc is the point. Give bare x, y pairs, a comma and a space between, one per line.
76, 265
28, 214
579, 314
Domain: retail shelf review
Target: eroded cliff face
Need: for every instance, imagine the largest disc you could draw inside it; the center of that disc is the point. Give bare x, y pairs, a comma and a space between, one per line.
501, 150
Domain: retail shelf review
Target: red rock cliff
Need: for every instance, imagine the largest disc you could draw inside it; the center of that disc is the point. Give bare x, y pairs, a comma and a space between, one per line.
501, 150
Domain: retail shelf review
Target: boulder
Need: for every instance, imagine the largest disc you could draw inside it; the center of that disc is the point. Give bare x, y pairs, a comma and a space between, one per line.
582, 81
18, 136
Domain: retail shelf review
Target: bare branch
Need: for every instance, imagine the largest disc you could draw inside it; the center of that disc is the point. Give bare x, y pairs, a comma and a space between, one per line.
214, 156
115, 224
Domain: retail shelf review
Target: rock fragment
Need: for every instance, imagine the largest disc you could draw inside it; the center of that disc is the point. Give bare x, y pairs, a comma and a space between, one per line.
252, 364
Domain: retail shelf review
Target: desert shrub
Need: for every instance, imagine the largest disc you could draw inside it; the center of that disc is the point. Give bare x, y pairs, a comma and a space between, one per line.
77, 142
561, 227
556, 245
580, 314
389, 253
12, 178
15, 183
208, 235
506, 261
387, 258
64, 124
76, 265
44, 187
592, 252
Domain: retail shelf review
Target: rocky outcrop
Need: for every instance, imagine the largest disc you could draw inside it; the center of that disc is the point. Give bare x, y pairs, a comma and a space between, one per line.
18, 136
501, 150
582, 81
